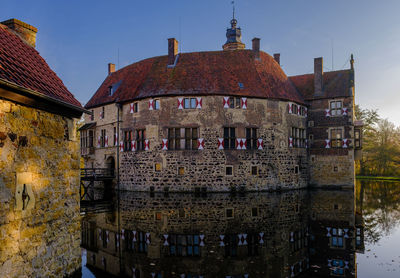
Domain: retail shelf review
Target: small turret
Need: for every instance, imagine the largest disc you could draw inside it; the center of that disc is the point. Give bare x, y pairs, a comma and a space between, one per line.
233, 36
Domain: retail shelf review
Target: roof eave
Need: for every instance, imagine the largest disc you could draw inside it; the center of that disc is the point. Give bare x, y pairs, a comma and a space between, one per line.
28, 97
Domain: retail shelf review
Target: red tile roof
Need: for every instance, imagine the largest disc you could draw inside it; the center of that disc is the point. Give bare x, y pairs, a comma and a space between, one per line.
200, 73
22, 65
336, 84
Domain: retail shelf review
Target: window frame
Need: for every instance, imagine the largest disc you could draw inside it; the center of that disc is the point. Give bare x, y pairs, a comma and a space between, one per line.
229, 138
156, 104
184, 245
336, 142
140, 138
226, 170
251, 138
299, 136
183, 138
335, 111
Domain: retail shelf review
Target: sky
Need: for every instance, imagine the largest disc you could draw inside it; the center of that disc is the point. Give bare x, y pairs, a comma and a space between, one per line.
79, 38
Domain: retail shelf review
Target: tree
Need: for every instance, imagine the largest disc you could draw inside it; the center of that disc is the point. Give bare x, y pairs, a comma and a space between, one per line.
381, 145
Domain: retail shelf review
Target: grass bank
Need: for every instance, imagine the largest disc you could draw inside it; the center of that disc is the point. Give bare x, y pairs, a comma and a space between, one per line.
378, 178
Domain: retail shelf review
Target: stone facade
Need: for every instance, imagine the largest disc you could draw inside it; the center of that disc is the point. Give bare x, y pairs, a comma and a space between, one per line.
39, 157
204, 167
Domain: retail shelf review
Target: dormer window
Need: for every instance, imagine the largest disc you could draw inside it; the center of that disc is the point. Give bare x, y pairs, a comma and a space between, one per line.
113, 88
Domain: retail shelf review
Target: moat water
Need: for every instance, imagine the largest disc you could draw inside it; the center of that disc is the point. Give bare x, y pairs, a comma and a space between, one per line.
302, 233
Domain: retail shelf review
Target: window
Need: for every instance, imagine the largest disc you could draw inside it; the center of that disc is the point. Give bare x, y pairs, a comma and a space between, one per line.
254, 170
157, 216
254, 212
115, 137
156, 104
336, 138
139, 246
184, 245
298, 240
92, 116
252, 244
294, 109
229, 170
296, 169
88, 235
336, 108
303, 111
357, 138
337, 238
84, 139
358, 237
299, 137
103, 138
183, 138
337, 267
114, 87
127, 140
229, 213
157, 167
234, 102
335, 169
135, 107
102, 112
116, 241
231, 243
189, 103
140, 138
251, 138
91, 135
310, 123
229, 138
104, 238
181, 170
241, 86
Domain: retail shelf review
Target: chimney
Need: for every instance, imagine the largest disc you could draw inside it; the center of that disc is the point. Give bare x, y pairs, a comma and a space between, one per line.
172, 50
111, 68
25, 31
256, 47
318, 76
277, 58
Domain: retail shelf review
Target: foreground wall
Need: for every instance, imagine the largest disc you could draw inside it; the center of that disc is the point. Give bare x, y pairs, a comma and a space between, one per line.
39, 234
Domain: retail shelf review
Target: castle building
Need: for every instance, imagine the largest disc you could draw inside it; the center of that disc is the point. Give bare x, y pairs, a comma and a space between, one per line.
39, 162
223, 120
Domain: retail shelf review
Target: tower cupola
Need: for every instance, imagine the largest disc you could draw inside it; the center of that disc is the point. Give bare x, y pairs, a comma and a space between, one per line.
233, 36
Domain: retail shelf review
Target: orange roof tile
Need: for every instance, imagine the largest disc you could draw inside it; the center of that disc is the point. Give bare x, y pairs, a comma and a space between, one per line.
200, 73
22, 65
336, 84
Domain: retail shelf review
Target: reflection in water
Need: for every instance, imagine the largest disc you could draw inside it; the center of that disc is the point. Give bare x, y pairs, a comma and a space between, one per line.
297, 233
379, 202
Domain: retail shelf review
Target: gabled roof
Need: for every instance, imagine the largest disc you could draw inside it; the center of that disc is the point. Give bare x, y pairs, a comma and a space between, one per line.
200, 73
22, 65
335, 84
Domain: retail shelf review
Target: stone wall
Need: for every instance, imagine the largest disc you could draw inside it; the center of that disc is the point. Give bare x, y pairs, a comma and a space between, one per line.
39, 237
275, 163
331, 166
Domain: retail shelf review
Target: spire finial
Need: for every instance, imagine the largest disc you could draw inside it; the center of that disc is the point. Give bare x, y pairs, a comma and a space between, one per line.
233, 7
233, 21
